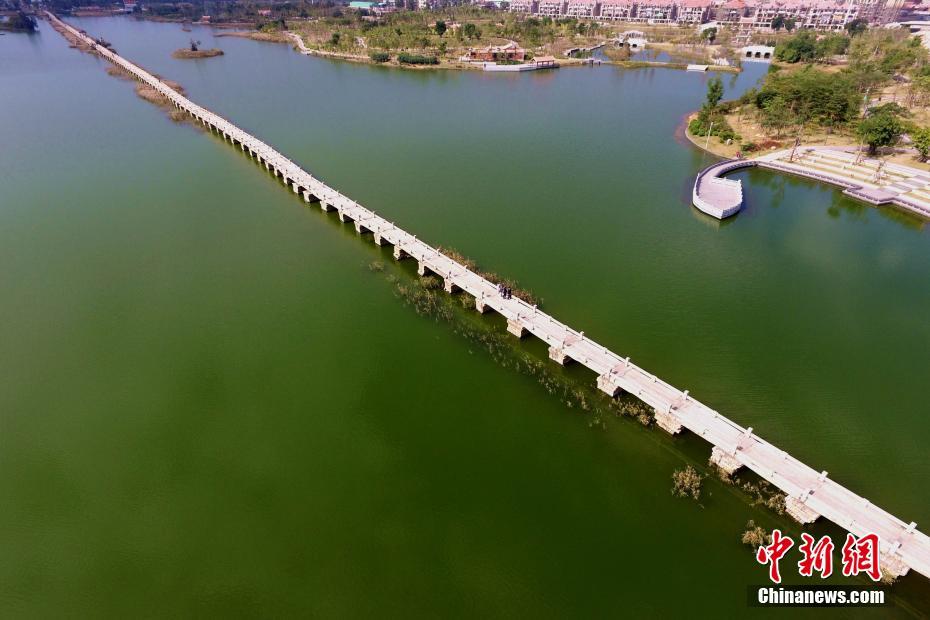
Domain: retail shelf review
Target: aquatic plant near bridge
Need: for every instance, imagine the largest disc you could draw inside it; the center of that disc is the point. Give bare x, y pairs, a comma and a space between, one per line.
754, 536
687, 482
426, 297
522, 293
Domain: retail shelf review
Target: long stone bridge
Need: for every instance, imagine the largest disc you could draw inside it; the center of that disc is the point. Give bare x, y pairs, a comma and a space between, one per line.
810, 494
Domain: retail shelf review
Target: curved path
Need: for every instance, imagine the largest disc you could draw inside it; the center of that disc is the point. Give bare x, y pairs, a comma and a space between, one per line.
716, 196
810, 494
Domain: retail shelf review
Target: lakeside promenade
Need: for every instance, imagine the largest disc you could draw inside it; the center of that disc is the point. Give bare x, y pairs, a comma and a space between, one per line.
871, 180
809, 494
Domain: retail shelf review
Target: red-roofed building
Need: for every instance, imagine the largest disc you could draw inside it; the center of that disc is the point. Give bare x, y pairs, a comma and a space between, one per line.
692, 11
495, 53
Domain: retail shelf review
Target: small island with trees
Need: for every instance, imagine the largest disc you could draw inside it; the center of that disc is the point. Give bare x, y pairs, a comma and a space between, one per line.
194, 51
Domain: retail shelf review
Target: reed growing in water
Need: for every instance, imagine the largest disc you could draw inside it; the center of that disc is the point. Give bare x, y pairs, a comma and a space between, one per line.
522, 293
687, 483
426, 296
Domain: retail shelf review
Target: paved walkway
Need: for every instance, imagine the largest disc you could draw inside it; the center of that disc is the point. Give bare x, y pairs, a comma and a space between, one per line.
716, 196
810, 494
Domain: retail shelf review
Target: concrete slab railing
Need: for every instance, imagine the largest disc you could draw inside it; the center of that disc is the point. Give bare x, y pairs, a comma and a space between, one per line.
810, 494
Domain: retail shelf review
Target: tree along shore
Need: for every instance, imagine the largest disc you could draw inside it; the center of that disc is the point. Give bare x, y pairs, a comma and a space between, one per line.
875, 95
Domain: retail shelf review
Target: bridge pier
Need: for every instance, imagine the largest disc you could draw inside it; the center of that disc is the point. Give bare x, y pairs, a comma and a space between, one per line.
360, 229
796, 507
668, 422
725, 461
342, 215
606, 385
296, 187
377, 238
422, 269
558, 355
308, 197
399, 254
892, 564
325, 207
480, 306
515, 327
449, 286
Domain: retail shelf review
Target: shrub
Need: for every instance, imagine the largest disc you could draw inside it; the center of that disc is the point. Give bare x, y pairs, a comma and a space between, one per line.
379, 56
686, 482
711, 122
416, 59
754, 536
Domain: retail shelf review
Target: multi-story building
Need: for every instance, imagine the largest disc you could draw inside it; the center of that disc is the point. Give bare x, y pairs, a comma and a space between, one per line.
617, 10
583, 8
524, 6
692, 11
729, 13
742, 16
825, 15
551, 8
655, 11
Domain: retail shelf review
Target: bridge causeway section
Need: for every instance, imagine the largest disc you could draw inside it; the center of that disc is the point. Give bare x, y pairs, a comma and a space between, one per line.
810, 494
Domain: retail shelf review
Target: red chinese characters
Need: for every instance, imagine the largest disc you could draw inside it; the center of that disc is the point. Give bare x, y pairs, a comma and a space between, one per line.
861, 556
771, 554
817, 556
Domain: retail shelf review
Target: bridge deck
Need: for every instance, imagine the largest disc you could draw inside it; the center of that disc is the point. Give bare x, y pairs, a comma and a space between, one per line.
811, 492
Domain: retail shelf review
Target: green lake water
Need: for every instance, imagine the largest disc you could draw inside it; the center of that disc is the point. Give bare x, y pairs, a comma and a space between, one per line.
210, 406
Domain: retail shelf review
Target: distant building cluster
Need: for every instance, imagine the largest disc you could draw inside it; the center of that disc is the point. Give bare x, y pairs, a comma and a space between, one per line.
744, 15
